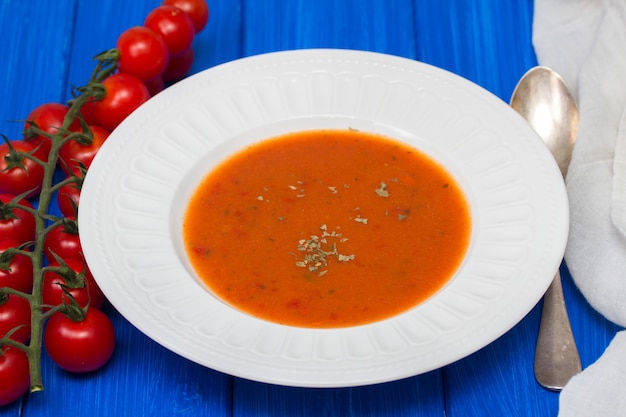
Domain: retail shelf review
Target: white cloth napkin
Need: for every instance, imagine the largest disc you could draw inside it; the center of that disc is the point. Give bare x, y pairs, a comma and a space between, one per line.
599, 390
585, 41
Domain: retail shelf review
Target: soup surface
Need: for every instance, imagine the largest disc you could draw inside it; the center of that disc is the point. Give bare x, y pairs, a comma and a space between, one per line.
327, 228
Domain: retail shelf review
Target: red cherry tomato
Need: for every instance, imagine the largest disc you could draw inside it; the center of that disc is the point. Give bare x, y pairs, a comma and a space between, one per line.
68, 197
16, 223
197, 10
155, 85
14, 374
72, 152
49, 118
52, 293
124, 93
86, 112
82, 346
19, 271
143, 53
179, 66
64, 242
14, 312
19, 174
174, 26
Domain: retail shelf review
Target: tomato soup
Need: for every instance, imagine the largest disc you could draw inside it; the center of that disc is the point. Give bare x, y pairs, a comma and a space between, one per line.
327, 228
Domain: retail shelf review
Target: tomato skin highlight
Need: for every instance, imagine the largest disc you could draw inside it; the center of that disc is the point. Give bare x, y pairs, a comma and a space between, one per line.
197, 10
19, 224
15, 311
14, 375
27, 177
174, 26
73, 152
124, 93
143, 53
48, 117
19, 274
82, 346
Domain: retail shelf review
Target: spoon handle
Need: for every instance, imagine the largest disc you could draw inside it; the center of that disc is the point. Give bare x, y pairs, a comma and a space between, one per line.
556, 355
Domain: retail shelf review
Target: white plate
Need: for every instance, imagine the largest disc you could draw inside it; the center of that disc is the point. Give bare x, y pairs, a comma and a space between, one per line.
135, 192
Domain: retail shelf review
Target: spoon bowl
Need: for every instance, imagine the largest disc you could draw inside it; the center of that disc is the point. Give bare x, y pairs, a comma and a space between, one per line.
543, 99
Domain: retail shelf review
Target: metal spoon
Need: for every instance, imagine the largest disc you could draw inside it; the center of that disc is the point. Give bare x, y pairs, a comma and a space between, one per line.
544, 100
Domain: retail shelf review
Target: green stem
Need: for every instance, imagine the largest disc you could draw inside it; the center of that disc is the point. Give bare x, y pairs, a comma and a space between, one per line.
10, 291
66, 181
38, 316
6, 341
107, 64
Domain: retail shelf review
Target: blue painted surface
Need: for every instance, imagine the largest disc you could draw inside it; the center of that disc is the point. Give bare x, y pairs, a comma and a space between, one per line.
47, 47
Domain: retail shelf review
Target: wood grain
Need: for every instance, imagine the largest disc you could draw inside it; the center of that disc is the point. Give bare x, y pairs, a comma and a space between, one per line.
47, 47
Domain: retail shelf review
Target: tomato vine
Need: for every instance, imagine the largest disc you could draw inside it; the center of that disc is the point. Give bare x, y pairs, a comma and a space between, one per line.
44, 222
61, 291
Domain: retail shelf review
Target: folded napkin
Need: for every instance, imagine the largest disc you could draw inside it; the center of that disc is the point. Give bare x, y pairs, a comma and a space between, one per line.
599, 390
585, 41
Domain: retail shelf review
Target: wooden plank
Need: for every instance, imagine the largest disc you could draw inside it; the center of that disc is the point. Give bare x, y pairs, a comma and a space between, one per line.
32, 72
33, 67
142, 378
97, 29
485, 41
418, 396
499, 379
489, 42
381, 26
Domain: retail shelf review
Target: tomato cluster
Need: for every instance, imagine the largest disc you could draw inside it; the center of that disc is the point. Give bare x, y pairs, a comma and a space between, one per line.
77, 336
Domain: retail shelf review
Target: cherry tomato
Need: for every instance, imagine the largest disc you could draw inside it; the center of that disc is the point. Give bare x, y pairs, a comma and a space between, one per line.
174, 26
20, 174
82, 346
86, 112
63, 241
14, 375
179, 66
155, 85
124, 93
16, 223
19, 272
49, 118
68, 196
143, 53
73, 152
14, 312
197, 10
52, 293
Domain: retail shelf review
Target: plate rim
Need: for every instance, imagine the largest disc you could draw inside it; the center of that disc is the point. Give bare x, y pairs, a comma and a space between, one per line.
295, 373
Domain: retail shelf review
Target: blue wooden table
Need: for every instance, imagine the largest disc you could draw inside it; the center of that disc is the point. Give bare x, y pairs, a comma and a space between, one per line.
47, 46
